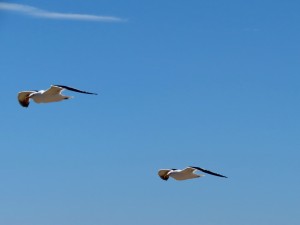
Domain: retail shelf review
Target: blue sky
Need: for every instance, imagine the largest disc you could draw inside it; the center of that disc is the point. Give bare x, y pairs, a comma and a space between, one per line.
213, 84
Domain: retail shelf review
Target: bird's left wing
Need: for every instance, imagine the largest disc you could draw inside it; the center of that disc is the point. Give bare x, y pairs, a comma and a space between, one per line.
163, 174
188, 170
53, 90
207, 171
73, 89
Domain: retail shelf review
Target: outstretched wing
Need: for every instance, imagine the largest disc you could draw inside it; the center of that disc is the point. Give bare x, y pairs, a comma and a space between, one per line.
53, 90
207, 171
23, 97
72, 89
163, 174
188, 170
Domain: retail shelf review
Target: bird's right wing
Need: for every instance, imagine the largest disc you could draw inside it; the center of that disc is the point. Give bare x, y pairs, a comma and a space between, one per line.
163, 174
73, 89
23, 97
207, 171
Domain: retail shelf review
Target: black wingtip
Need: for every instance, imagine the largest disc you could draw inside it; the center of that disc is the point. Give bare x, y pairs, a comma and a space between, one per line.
208, 172
74, 89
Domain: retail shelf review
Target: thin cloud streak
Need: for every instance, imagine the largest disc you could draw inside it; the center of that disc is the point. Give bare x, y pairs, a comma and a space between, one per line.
36, 12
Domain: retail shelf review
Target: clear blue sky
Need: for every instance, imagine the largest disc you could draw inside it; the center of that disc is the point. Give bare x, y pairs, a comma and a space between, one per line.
213, 84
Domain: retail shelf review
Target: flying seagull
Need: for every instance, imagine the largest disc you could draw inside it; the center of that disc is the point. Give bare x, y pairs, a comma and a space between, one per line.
185, 174
53, 94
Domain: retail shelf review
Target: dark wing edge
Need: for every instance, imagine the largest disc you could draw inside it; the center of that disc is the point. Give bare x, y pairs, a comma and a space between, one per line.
208, 172
74, 89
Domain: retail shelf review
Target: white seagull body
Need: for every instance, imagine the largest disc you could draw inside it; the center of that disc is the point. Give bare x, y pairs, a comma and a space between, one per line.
53, 94
185, 174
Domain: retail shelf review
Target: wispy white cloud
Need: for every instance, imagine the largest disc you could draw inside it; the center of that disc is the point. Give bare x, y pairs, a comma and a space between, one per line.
36, 12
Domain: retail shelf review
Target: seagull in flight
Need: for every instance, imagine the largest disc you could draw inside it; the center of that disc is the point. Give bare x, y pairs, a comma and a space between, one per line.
53, 94
185, 174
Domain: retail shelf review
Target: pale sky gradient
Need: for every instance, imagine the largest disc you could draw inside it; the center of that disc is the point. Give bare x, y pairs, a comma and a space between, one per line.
33, 11
213, 84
